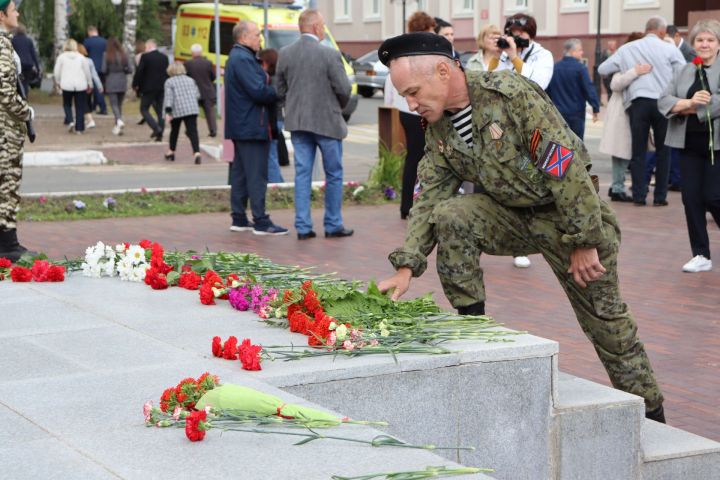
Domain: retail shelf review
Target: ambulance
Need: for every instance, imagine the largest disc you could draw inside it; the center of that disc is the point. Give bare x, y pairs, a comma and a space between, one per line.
196, 24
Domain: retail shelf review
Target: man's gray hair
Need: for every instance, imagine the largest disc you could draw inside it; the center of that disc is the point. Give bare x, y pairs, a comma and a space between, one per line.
308, 18
242, 27
196, 48
424, 64
704, 26
656, 23
570, 45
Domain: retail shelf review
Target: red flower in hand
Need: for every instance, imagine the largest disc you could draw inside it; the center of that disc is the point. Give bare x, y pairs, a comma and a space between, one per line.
195, 426
5, 263
21, 274
56, 273
698, 62
250, 355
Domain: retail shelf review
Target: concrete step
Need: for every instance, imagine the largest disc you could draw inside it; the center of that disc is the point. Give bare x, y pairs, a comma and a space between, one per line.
596, 431
670, 453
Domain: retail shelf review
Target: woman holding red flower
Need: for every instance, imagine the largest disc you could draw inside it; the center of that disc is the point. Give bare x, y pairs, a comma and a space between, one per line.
692, 104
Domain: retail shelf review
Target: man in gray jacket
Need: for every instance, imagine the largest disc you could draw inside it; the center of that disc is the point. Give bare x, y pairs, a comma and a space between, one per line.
312, 81
640, 99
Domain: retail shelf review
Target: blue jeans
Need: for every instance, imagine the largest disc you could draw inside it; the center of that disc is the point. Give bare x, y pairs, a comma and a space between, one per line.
305, 144
674, 166
248, 181
274, 174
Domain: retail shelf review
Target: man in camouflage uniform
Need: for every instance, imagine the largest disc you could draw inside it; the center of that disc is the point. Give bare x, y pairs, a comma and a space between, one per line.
538, 198
14, 112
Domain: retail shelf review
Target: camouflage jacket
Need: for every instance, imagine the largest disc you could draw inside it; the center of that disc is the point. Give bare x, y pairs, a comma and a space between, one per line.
520, 153
14, 110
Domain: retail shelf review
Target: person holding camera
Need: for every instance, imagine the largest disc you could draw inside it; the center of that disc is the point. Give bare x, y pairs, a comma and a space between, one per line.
520, 52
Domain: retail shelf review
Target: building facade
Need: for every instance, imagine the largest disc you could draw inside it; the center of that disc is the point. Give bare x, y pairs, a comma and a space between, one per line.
361, 25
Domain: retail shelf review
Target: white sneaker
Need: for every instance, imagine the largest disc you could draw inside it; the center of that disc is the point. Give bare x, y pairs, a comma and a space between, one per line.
71, 127
90, 124
116, 130
521, 262
698, 264
120, 124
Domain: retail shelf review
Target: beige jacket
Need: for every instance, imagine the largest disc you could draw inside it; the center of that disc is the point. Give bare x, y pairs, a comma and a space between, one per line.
616, 137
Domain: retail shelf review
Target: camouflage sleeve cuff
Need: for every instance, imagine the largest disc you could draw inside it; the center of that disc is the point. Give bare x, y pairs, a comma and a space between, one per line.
412, 260
593, 238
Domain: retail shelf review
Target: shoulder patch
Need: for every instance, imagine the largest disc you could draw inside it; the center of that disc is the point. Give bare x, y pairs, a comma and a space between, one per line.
556, 160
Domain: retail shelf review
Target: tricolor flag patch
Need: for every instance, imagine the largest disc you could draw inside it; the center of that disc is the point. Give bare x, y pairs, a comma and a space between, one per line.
556, 160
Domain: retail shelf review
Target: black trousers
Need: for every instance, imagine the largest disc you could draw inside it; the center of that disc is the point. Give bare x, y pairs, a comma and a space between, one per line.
644, 115
248, 181
415, 139
154, 100
700, 194
80, 100
190, 130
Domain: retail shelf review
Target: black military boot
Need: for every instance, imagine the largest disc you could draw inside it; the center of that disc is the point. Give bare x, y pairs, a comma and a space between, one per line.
658, 414
474, 309
10, 248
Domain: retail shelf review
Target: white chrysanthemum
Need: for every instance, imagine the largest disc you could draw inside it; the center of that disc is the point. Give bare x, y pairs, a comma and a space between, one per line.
108, 268
120, 247
136, 254
124, 269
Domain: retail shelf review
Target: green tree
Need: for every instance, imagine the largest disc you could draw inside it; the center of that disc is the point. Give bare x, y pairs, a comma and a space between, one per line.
107, 17
148, 25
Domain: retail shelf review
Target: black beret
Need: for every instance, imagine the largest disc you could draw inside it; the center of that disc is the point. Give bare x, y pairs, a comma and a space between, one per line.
416, 43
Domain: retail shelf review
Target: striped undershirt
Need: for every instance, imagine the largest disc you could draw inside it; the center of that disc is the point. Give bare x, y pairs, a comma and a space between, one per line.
462, 121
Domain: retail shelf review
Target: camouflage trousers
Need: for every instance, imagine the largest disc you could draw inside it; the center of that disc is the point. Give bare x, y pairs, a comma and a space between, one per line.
468, 225
10, 176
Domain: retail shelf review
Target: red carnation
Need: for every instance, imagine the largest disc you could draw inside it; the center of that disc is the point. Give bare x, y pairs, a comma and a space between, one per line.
299, 322
167, 397
207, 297
697, 61
40, 270
56, 273
5, 263
196, 425
311, 302
211, 278
230, 278
190, 280
145, 244
250, 355
229, 349
217, 349
21, 274
155, 279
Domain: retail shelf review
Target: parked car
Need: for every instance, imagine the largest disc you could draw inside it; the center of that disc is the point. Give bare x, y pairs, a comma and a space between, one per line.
370, 74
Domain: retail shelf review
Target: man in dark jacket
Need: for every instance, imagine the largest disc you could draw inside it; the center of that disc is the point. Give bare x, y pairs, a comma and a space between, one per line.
248, 96
96, 46
571, 87
149, 82
201, 70
25, 48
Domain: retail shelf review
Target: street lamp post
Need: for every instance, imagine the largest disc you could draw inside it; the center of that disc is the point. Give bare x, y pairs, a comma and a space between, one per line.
218, 105
598, 51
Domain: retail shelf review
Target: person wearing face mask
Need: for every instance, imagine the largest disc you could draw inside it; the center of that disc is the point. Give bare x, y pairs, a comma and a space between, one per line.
520, 51
691, 98
14, 114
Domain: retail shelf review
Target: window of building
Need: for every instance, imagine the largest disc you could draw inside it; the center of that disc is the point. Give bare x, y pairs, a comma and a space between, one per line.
422, 5
371, 10
574, 6
343, 12
641, 4
463, 8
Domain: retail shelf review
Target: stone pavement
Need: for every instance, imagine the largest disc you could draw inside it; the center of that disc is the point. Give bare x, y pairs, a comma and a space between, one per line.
677, 312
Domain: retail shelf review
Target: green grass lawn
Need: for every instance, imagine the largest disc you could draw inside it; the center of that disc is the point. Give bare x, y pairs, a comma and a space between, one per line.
172, 203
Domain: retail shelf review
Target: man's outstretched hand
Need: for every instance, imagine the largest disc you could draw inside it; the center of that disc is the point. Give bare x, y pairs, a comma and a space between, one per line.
585, 266
400, 282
